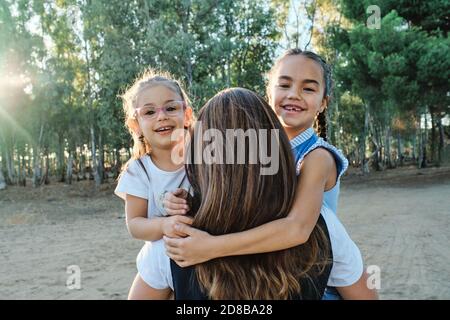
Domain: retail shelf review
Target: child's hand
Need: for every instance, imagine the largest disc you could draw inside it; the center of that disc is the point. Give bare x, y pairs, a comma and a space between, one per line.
176, 202
198, 247
169, 225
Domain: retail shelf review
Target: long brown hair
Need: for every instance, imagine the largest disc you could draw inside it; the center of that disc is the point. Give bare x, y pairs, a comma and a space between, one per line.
237, 197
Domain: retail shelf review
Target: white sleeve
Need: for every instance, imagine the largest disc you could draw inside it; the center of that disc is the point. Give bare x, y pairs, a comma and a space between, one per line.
347, 261
133, 181
154, 266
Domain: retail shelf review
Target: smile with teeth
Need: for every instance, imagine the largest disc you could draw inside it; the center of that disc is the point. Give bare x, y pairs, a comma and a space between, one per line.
292, 108
164, 129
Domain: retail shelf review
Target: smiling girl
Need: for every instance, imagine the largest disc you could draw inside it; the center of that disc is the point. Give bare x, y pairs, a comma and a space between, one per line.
155, 106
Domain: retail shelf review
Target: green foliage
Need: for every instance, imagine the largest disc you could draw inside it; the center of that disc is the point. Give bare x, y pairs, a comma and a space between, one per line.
77, 56
212, 45
430, 15
399, 71
67, 61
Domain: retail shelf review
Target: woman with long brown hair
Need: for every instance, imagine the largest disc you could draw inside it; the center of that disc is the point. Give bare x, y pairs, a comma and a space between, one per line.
231, 196
299, 90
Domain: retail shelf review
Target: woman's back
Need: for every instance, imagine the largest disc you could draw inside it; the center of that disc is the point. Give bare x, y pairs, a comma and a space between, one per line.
187, 287
236, 196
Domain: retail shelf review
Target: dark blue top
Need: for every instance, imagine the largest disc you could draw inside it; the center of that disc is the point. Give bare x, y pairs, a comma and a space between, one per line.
187, 287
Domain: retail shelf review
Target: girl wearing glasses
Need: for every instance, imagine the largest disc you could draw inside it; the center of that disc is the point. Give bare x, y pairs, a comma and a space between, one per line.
155, 106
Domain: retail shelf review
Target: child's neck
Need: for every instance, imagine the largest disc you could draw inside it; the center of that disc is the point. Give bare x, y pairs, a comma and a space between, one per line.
293, 132
163, 160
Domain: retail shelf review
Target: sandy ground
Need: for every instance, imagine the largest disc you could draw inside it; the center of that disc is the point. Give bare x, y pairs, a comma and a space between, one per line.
400, 219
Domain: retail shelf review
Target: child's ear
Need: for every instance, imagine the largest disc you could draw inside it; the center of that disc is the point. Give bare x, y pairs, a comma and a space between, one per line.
324, 104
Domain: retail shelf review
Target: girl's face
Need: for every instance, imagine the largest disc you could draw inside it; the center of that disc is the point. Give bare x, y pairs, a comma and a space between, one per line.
297, 93
158, 128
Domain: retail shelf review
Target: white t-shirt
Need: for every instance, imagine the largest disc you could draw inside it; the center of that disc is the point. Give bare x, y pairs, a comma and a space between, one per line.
347, 261
134, 181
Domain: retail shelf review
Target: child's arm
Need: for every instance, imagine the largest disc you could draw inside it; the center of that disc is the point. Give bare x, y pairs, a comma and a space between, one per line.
140, 227
280, 234
359, 290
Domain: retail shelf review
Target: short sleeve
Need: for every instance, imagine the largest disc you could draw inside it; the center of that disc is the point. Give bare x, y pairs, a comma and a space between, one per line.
340, 159
347, 261
133, 181
154, 266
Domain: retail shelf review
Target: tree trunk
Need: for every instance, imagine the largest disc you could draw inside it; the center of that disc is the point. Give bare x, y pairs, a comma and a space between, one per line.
24, 169
364, 162
418, 140
37, 160
423, 163
312, 17
2, 180
117, 163
89, 93
82, 169
61, 163
378, 143
419, 150
21, 172
423, 149
8, 155
399, 149
433, 152
101, 161
76, 162
45, 178
29, 163
441, 140
69, 168
388, 148
94, 159
2, 163
10, 165
376, 140
375, 150
37, 169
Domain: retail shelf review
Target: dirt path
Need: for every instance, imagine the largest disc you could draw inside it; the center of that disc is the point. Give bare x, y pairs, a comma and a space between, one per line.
402, 225
64, 226
399, 219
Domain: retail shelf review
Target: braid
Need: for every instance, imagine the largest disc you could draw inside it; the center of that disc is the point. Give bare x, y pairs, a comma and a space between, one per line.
321, 125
